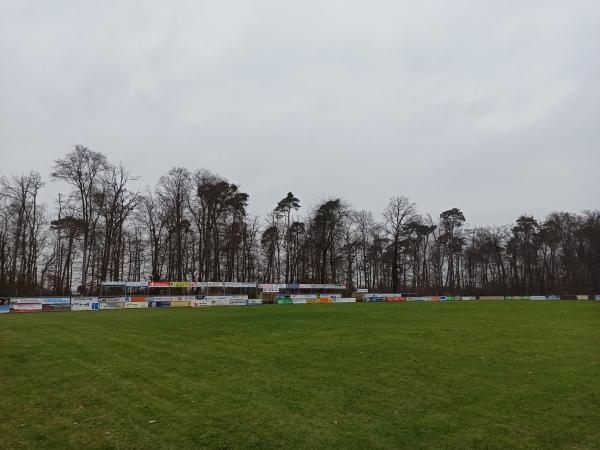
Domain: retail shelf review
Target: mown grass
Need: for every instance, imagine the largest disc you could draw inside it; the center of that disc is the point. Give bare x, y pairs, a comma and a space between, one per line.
420, 375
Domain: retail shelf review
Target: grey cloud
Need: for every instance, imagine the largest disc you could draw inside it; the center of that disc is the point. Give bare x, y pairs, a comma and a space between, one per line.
488, 106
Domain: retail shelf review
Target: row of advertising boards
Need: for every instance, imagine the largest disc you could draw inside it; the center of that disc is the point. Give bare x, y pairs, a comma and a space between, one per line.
400, 297
136, 302
49, 304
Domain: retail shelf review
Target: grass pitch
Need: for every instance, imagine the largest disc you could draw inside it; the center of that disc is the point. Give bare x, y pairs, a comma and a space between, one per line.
417, 375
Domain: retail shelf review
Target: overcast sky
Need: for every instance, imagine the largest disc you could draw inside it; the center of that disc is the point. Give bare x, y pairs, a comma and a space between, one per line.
489, 106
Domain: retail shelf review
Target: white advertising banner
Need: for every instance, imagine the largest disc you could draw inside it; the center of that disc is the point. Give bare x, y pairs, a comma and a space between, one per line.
85, 304
114, 283
136, 284
418, 299
272, 286
113, 299
136, 305
200, 303
388, 295
112, 305
26, 300
321, 286
219, 302
27, 307
238, 301
239, 284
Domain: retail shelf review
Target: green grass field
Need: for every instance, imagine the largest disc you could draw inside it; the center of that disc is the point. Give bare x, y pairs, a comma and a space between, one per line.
417, 375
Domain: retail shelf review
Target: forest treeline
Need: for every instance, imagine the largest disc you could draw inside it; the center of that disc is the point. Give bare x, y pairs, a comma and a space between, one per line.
194, 225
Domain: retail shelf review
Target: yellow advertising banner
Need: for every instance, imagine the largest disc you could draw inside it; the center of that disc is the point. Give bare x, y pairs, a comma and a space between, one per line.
180, 303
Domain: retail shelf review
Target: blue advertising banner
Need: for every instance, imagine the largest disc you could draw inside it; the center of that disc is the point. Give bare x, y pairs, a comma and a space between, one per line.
160, 304
55, 300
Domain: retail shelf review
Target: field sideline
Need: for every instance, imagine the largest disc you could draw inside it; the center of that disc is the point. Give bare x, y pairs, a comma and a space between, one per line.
506, 374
